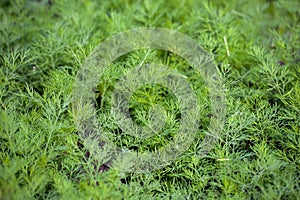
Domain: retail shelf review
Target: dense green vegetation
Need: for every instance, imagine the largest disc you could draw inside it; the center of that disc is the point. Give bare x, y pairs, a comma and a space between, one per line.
256, 47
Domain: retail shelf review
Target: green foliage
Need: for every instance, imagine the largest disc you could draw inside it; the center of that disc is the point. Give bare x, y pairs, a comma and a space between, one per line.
256, 46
